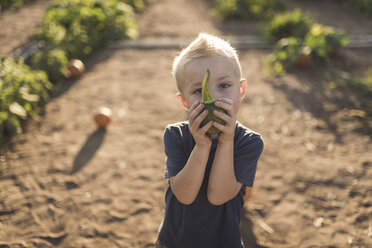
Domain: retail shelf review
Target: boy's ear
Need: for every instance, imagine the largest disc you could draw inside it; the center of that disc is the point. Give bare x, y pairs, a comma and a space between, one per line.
182, 100
243, 87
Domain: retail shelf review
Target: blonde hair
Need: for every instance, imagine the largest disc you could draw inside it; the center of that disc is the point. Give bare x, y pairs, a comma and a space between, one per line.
205, 45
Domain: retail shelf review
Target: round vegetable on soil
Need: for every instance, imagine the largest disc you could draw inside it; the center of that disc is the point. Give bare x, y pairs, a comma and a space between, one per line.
103, 117
75, 68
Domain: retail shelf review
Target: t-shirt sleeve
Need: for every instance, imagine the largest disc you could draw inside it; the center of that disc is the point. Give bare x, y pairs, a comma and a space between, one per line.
175, 154
246, 157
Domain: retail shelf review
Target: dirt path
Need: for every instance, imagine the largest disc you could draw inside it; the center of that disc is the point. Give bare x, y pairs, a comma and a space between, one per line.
313, 184
335, 15
18, 26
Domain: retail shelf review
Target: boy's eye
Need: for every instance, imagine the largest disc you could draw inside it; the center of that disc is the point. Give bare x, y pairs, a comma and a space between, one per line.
224, 85
198, 91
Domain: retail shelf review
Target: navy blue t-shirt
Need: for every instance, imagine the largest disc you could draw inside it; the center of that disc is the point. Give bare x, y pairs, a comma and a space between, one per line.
202, 224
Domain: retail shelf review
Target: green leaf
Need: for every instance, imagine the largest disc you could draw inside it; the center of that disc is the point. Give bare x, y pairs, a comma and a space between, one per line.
17, 109
12, 126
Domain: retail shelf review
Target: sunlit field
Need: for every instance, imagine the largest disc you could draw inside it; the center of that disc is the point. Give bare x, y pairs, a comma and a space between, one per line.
86, 92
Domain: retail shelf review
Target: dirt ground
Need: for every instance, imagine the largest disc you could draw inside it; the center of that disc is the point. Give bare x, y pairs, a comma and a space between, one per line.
63, 183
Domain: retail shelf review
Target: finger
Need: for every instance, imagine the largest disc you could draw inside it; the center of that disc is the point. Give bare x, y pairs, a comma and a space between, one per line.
195, 113
206, 127
195, 125
195, 104
228, 117
226, 100
225, 117
228, 107
222, 128
198, 120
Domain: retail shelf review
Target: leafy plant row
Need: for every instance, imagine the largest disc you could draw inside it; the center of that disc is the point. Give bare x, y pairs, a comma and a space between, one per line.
266, 9
297, 40
12, 4
300, 42
249, 9
70, 29
293, 32
21, 91
74, 28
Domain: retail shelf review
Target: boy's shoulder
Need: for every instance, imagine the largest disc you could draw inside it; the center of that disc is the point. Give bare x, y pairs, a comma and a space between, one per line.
180, 124
246, 132
245, 135
178, 134
178, 129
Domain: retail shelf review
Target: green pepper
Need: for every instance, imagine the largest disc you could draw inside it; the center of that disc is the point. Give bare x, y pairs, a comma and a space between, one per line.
208, 101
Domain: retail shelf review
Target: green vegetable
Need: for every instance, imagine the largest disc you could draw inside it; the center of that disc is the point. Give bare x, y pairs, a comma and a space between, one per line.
208, 101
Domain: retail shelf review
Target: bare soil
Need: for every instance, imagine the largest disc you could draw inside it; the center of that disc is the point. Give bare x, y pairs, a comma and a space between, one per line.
19, 26
66, 184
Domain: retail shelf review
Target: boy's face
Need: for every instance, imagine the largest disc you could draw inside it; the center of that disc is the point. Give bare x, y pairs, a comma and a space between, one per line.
224, 81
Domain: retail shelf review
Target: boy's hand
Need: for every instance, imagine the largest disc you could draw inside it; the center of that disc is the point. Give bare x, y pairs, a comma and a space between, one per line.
197, 115
227, 130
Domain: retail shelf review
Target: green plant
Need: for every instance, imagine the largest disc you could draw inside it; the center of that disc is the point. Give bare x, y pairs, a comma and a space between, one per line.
138, 5
74, 28
12, 4
290, 24
324, 41
21, 90
249, 9
79, 26
320, 43
285, 53
70, 29
336, 77
53, 62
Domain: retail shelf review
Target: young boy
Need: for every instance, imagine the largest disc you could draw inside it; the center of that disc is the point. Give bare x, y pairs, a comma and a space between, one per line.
207, 177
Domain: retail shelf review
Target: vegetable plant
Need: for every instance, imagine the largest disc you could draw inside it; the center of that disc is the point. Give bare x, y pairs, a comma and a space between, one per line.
295, 23
337, 77
73, 28
324, 41
285, 53
12, 4
53, 61
249, 9
138, 5
320, 43
78, 26
21, 91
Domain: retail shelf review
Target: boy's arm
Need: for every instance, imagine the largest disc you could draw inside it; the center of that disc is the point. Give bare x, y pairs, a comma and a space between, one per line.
186, 184
223, 185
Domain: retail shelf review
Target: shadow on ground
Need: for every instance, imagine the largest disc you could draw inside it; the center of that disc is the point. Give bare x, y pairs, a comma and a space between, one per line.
326, 103
90, 147
246, 229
